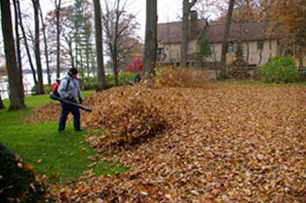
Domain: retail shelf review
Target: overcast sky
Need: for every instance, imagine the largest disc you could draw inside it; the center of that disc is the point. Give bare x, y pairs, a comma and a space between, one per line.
168, 10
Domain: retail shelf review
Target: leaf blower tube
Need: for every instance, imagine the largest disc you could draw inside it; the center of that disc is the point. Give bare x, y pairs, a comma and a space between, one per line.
85, 108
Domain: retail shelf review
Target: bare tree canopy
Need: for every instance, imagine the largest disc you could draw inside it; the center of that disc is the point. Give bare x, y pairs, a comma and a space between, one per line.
120, 34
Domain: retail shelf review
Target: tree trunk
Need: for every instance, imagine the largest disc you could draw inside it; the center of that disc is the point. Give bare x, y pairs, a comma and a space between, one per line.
248, 51
300, 55
185, 33
40, 85
223, 73
150, 48
1, 103
115, 53
260, 54
270, 48
265, 31
18, 51
99, 46
26, 44
116, 72
46, 45
71, 54
214, 57
58, 7
15, 86
76, 49
87, 60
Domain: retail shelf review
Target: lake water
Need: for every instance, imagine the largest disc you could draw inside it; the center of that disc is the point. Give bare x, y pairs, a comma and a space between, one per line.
28, 83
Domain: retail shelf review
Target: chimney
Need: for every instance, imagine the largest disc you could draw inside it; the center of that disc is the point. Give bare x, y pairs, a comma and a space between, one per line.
193, 23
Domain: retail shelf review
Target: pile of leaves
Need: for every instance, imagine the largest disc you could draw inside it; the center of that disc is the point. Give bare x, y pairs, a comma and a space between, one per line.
18, 182
131, 116
228, 144
179, 77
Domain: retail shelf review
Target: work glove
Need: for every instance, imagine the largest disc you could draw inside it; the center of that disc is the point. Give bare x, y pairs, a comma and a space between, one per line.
80, 100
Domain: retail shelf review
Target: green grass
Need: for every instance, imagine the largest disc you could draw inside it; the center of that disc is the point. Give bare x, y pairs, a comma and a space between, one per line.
61, 156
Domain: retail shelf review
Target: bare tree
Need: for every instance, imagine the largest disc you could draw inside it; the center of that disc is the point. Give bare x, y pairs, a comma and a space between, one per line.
18, 43
185, 31
119, 27
99, 46
150, 48
25, 40
57, 4
266, 10
225, 38
69, 40
15, 86
45, 44
67, 35
40, 84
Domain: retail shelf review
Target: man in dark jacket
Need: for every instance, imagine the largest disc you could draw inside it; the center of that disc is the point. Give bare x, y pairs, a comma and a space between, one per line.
69, 89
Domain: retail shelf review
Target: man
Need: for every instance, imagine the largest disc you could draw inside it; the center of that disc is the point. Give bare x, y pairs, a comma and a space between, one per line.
69, 89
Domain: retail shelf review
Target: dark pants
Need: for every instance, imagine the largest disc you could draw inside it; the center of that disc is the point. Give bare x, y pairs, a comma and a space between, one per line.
66, 109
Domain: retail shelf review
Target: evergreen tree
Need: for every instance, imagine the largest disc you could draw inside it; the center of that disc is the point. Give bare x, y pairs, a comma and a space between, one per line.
203, 49
83, 35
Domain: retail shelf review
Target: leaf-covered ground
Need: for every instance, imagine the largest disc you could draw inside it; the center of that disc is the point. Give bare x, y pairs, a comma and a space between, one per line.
221, 144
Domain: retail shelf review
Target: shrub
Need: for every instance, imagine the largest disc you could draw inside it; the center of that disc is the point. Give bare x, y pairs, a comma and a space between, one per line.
17, 181
123, 79
47, 89
279, 69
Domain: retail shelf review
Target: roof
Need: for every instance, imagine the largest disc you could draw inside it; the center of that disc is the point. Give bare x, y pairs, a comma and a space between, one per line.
252, 31
172, 32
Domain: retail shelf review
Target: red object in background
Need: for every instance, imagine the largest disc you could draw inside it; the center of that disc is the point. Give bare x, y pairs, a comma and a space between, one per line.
135, 67
54, 87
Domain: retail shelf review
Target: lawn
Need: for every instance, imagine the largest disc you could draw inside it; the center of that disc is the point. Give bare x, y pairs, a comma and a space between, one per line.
61, 156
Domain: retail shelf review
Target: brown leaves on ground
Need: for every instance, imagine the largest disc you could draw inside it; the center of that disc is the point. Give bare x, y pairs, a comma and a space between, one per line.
131, 115
49, 112
226, 144
181, 77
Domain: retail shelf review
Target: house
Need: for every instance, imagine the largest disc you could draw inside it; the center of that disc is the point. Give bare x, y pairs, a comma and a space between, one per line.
250, 37
169, 36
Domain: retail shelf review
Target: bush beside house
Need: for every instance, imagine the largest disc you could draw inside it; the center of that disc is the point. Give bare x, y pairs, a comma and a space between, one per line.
279, 69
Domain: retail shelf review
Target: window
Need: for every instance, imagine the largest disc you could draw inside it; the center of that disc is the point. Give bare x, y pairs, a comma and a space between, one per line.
260, 45
230, 47
160, 51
